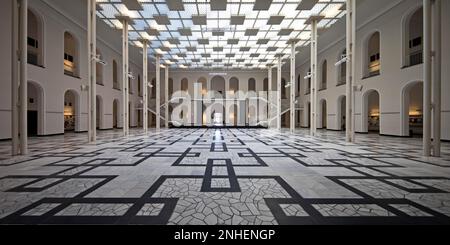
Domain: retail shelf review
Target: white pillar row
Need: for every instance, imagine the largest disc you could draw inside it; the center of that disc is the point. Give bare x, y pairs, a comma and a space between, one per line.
437, 76
427, 25
145, 85
280, 57
166, 95
293, 88
270, 97
15, 80
92, 70
350, 81
313, 20
158, 92
125, 20
23, 86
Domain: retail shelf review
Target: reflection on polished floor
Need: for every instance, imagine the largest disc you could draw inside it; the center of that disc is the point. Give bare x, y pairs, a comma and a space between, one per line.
224, 176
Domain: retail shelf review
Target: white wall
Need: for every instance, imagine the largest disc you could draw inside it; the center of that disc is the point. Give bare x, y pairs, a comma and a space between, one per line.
387, 18
51, 77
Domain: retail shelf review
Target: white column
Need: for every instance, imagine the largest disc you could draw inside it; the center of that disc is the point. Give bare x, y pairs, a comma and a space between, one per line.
437, 94
427, 78
145, 85
293, 89
92, 70
313, 116
270, 97
279, 93
15, 79
23, 45
350, 43
125, 75
158, 92
166, 95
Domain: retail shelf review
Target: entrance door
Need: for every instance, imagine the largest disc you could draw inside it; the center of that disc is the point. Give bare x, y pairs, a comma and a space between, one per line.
32, 123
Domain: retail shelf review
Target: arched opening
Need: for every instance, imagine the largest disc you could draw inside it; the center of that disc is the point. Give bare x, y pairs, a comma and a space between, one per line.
116, 84
324, 114
204, 85
99, 69
342, 105
414, 38
342, 69
151, 120
372, 59
285, 120
283, 89
71, 55
234, 85
130, 84
252, 85
323, 84
217, 116
34, 39
371, 111
299, 80
412, 109
99, 112
35, 120
116, 115
70, 110
185, 85
218, 85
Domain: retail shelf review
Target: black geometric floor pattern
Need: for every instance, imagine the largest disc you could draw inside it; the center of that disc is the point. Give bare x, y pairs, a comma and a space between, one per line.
224, 176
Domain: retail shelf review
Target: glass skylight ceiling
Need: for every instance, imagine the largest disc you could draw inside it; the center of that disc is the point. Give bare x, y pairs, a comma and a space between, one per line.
215, 34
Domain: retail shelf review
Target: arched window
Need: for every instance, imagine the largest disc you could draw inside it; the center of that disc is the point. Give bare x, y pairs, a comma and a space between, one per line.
116, 84
414, 39
71, 56
252, 85
35, 31
308, 81
234, 85
204, 85
323, 84
218, 86
130, 84
184, 85
266, 84
372, 60
99, 69
342, 69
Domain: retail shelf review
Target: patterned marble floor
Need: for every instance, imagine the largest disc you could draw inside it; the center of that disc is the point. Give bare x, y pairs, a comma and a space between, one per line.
224, 176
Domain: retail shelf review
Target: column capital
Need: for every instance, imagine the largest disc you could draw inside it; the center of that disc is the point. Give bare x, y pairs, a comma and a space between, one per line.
124, 19
314, 18
144, 41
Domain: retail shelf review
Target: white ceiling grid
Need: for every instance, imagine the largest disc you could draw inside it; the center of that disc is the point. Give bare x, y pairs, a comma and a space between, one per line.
226, 34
